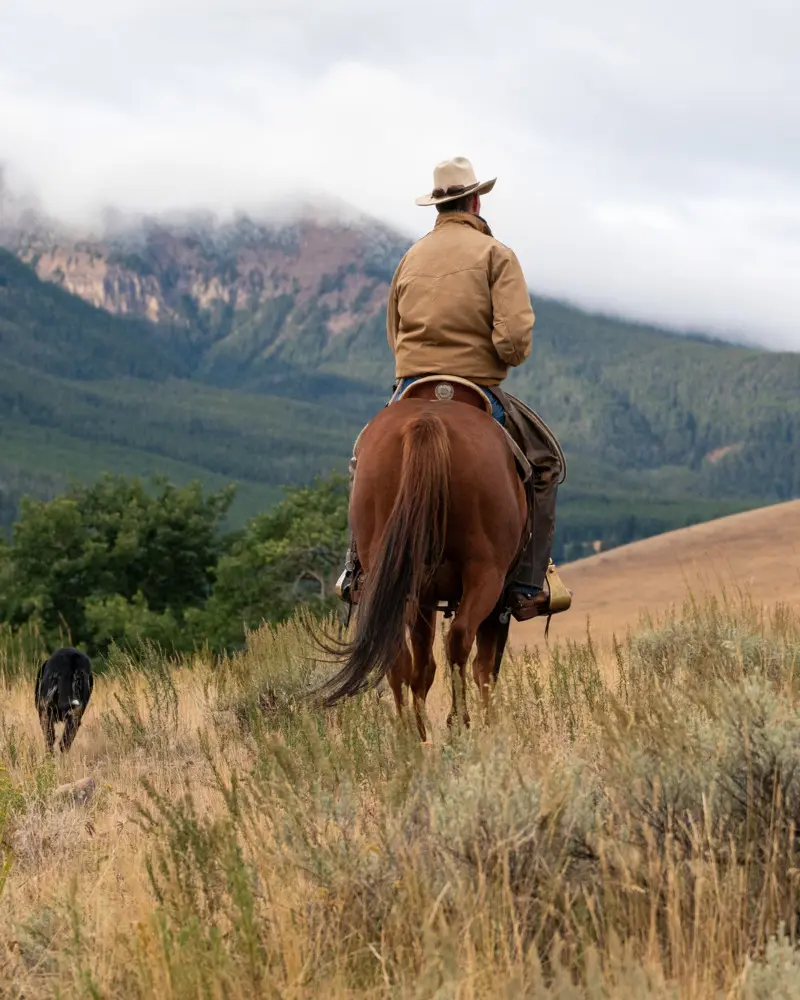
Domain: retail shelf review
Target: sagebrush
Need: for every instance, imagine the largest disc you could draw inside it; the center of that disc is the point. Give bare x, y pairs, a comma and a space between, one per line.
626, 825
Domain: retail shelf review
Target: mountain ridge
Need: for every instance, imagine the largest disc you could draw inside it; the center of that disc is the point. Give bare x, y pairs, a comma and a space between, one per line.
657, 425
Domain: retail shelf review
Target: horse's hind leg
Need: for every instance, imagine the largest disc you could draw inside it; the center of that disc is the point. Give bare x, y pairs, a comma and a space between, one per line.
481, 589
492, 636
398, 675
424, 666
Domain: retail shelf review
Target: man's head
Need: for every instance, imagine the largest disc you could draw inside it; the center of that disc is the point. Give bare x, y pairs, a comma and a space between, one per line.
454, 181
471, 204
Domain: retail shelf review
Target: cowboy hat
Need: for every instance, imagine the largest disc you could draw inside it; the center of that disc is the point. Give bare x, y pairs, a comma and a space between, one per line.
454, 179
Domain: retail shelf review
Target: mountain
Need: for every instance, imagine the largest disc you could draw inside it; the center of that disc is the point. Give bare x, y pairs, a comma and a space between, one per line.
254, 306
44, 328
266, 351
83, 391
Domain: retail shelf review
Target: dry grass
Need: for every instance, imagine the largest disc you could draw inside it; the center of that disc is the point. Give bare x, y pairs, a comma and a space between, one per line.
624, 828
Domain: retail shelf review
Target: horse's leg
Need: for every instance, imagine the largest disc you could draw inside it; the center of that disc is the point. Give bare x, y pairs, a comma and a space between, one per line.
398, 675
482, 586
502, 639
492, 636
424, 665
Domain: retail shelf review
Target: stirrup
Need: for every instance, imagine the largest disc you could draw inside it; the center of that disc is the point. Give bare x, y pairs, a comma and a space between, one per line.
340, 587
346, 583
560, 597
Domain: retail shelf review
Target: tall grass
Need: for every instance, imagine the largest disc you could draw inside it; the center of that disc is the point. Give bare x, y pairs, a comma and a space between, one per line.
623, 828
21, 652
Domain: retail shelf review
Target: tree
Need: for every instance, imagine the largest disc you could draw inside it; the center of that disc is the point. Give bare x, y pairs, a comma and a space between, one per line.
110, 545
117, 561
288, 555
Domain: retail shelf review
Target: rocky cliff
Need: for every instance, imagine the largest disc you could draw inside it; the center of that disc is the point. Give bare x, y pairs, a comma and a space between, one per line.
239, 291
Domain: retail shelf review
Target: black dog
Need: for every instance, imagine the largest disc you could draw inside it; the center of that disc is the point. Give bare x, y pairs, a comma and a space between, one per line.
63, 688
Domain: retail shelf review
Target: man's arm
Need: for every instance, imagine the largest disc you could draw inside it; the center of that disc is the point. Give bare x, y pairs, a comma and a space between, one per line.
392, 311
511, 307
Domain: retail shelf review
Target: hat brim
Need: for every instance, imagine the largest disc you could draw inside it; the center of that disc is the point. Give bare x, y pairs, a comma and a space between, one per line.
482, 187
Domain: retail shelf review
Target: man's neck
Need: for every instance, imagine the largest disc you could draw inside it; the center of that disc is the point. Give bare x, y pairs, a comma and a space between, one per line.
470, 218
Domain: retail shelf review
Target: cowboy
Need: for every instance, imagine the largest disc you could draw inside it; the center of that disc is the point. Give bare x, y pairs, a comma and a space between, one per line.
459, 305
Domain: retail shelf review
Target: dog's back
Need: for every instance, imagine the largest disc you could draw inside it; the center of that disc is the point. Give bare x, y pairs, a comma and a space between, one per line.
64, 684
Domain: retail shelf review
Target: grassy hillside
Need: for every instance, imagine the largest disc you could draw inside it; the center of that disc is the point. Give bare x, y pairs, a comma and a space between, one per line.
626, 828
26, 451
758, 550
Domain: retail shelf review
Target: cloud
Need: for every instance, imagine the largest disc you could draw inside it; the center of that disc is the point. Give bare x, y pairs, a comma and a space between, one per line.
647, 158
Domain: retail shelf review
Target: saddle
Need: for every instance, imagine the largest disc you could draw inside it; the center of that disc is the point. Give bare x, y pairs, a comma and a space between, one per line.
453, 388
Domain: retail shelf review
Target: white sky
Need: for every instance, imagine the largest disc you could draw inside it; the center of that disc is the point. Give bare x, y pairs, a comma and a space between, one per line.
648, 154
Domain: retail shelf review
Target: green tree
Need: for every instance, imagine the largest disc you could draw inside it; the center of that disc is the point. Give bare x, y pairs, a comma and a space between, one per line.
109, 543
6, 572
288, 555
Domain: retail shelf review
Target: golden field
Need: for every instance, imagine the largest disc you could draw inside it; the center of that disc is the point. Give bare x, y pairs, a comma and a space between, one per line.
625, 826
757, 552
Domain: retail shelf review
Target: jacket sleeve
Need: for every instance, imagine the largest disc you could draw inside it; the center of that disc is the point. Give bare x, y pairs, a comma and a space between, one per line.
513, 316
392, 311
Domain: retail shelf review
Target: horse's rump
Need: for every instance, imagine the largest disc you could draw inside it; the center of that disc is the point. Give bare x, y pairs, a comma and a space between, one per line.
486, 499
435, 496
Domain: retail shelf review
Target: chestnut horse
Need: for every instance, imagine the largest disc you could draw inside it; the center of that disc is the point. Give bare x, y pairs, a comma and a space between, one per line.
439, 515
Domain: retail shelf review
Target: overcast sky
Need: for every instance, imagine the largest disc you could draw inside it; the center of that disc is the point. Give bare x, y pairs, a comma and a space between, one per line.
647, 154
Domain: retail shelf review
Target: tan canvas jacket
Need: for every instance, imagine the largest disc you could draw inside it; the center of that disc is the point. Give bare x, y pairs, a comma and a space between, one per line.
459, 305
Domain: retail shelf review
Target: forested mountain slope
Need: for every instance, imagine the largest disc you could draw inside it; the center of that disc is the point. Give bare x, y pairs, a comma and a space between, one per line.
272, 340
82, 392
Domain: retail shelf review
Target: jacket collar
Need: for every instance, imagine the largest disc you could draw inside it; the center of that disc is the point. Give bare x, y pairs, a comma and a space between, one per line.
463, 219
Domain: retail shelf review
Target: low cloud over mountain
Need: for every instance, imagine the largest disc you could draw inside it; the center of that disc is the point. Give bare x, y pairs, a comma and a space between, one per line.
645, 156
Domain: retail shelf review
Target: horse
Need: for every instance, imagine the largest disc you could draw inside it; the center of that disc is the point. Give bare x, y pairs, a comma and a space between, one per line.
439, 515
62, 691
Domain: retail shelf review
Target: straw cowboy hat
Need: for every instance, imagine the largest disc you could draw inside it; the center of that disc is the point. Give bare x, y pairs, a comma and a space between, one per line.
454, 179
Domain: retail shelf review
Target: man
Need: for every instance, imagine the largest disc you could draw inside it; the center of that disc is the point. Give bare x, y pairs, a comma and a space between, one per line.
459, 305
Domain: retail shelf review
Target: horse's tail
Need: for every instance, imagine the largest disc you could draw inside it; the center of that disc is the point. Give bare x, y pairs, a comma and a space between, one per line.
411, 549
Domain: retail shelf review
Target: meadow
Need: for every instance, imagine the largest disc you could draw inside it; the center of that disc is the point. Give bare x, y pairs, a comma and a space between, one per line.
625, 826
